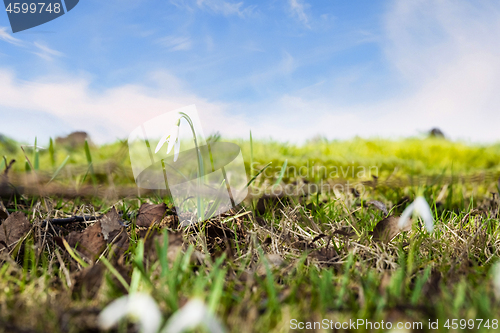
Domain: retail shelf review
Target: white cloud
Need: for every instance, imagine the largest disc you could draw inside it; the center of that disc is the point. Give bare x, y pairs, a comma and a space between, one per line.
45, 52
106, 114
38, 48
7, 37
176, 43
298, 10
445, 55
225, 8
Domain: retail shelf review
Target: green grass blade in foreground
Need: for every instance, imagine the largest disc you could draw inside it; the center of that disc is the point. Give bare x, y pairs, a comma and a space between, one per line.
73, 254
282, 173
273, 303
257, 175
89, 162
113, 271
217, 289
52, 153
201, 171
59, 169
36, 157
251, 156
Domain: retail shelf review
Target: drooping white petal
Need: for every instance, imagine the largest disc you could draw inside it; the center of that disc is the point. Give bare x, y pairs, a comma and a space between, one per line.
421, 208
112, 313
193, 314
177, 147
173, 139
142, 307
424, 211
405, 217
162, 142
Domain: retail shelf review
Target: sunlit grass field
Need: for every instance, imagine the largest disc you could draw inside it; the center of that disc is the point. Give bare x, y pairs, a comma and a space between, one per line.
277, 262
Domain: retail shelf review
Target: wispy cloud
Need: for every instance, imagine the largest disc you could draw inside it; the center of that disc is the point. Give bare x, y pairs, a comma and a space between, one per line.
184, 4
225, 8
107, 114
7, 37
444, 55
38, 48
176, 43
45, 52
298, 9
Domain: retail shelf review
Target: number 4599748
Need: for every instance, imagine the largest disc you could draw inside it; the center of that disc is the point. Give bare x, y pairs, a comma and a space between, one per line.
33, 7
471, 324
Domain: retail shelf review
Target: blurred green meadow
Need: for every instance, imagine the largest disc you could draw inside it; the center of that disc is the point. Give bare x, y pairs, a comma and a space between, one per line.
409, 156
273, 264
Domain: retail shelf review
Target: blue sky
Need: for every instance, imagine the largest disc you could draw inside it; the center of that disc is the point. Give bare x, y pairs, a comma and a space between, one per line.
287, 69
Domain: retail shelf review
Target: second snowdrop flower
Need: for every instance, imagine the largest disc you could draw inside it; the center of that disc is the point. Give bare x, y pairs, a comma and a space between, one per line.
192, 315
141, 307
421, 208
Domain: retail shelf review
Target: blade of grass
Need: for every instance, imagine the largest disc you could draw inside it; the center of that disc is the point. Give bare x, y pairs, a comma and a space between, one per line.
272, 293
421, 280
257, 175
235, 217
217, 289
251, 156
73, 254
52, 153
89, 162
36, 156
59, 169
113, 271
282, 173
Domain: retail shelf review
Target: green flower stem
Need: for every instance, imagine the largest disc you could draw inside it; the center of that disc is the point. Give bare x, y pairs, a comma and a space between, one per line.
201, 172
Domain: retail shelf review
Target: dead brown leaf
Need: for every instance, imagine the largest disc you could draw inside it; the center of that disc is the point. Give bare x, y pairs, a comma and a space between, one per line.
379, 205
175, 244
88, 281
110, 224
388, 228
15, 227
149, 214
90, 242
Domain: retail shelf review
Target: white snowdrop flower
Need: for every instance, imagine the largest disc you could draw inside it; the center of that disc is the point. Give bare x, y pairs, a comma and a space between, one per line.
495, 275
192, 315
421, 208
172, 137
140, 307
